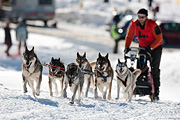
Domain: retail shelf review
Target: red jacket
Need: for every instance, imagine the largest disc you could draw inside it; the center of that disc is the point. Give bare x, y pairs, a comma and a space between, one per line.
151, 35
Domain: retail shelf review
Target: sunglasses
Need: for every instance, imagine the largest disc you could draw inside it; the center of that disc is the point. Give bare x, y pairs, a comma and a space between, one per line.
141, 16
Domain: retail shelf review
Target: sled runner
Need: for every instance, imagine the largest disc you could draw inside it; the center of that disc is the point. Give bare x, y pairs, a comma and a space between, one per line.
141, 59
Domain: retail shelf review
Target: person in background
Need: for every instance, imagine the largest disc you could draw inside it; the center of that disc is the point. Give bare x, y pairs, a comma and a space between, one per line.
150, 3
150, 37
8, 40
115, 33
155, 10
21, 34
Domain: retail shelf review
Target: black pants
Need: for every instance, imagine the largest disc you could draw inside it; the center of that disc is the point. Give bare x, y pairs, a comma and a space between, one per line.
116, 46
155, 64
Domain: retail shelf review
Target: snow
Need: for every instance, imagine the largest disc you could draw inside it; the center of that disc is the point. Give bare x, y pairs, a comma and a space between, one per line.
15, 105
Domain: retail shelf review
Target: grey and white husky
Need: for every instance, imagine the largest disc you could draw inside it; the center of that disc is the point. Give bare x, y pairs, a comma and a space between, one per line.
31, 71
126, 80
75, 79
87, 69
103, 76
56, 72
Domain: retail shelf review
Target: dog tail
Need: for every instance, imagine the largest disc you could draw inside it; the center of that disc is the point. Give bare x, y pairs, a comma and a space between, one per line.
137, 72
93, 64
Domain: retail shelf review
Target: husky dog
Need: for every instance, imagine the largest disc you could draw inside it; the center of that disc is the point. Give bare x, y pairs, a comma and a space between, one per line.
31, 71
103, 76
75, 79
126, 79
87, 69
56, 72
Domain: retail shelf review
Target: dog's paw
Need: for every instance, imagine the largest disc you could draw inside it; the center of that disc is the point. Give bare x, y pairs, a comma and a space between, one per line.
71, 102
95, 97
117, 98
109, 97
25, 91
65, 96
37, 94
51, 94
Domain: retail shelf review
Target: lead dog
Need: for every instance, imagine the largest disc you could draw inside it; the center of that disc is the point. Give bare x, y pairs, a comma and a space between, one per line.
56, 72
31, 71
126, 79
103, 76
75, 79
87, 69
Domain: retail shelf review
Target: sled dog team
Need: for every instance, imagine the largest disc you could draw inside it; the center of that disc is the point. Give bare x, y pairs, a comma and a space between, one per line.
97, 74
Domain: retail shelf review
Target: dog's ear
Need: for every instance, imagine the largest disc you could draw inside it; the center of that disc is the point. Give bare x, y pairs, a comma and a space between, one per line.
32, 50
126, 61
107, 56
119, 60
26, 49
68, 67
84, 54
58, 59
52, 59
78, 54
100, 55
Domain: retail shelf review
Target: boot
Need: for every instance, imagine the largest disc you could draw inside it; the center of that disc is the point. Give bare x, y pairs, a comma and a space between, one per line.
156, 97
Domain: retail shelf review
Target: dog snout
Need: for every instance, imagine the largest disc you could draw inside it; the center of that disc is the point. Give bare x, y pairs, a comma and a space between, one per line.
80, 65
27, 62
70, 83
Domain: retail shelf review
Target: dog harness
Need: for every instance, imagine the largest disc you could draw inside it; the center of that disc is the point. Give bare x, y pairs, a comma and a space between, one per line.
105, 78
86, 71
123, 81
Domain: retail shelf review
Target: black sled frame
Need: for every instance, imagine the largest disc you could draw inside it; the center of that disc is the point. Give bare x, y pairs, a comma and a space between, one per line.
139, 59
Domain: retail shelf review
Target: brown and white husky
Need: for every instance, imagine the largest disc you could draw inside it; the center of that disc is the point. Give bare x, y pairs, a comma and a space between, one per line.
31, 71
103, 76
56, 72
86, 69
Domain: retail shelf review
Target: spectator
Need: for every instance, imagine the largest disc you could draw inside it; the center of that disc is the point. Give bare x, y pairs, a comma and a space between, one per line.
150, 3
115, 33
8, 40
155, 10
21, 34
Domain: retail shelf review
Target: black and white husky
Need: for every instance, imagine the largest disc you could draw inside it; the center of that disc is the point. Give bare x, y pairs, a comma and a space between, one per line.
103, 76
87, 69
126, 80
56, 72
31, 71
75, 79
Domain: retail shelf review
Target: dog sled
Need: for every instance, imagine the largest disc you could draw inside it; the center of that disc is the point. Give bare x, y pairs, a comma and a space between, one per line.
140, 59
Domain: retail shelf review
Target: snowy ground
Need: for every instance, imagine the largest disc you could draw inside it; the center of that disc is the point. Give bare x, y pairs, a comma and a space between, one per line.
18, 106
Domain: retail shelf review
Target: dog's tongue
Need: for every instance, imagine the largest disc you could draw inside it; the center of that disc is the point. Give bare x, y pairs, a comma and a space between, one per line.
121, 71
54, 74
101, 69
70, 85
27, 66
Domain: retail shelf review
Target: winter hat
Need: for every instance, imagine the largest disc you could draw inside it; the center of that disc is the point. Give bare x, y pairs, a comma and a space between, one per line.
143, 11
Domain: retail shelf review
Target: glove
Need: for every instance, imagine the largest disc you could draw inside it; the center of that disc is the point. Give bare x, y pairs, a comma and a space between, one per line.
126, 50
148, 50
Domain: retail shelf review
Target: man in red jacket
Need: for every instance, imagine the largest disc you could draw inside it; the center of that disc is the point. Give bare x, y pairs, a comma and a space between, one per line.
150, 37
